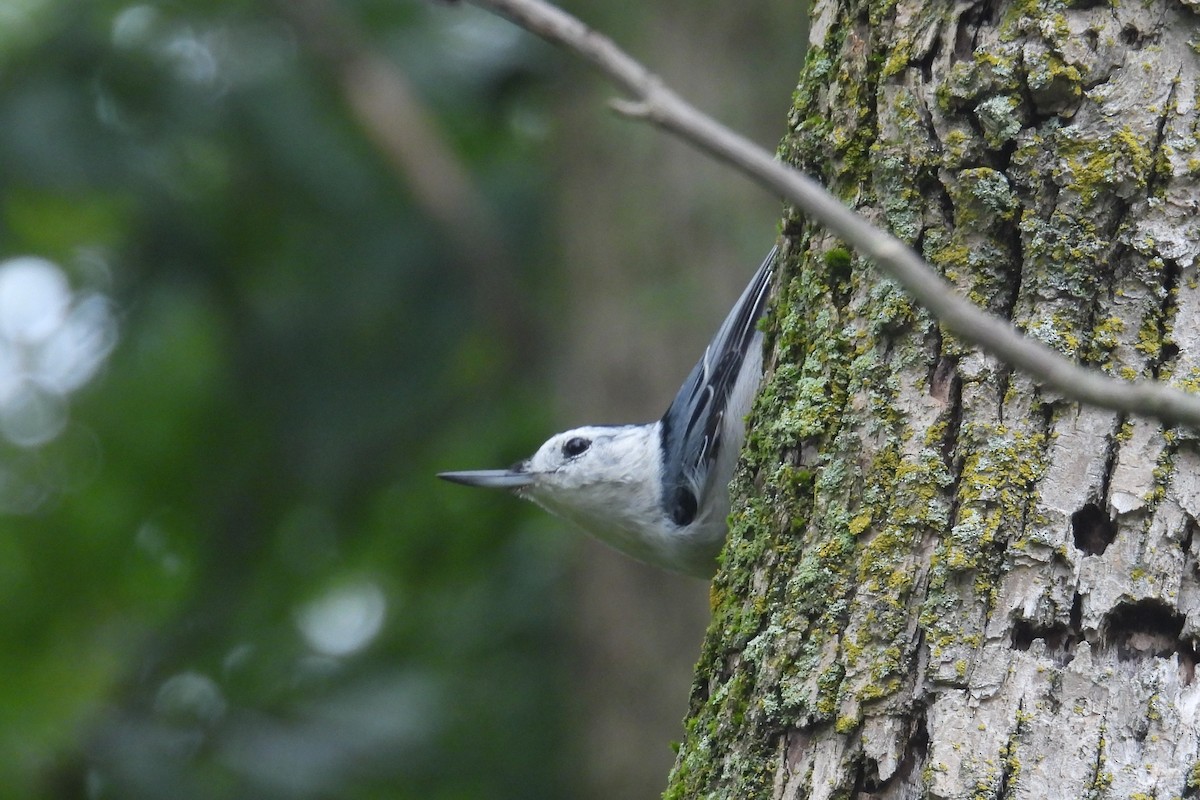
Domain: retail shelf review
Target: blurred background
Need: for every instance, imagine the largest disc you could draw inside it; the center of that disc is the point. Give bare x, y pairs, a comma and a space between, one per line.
265, 268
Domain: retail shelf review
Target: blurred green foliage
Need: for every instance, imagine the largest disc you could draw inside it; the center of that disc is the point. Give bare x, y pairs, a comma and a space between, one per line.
239, 578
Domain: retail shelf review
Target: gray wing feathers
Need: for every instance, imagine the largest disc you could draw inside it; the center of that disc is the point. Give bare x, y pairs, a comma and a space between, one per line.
692, 426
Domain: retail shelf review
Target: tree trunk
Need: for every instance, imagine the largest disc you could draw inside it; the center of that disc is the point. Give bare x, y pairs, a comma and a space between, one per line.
942, 580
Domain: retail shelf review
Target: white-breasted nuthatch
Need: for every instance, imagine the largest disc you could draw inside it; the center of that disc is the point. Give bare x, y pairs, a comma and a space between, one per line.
658, 492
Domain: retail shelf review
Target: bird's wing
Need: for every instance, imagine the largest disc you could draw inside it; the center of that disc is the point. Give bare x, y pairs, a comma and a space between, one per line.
692, 425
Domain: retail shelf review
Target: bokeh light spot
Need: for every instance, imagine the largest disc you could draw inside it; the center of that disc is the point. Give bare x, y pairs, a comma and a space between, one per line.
344, 619
53, 340
33, 299
190, 697
31, 417
135, 26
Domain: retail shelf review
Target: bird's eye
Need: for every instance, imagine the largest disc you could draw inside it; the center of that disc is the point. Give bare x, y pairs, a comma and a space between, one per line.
575, 445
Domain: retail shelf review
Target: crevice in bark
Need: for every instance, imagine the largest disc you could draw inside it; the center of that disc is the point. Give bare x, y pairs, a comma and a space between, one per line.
1091, 527
1008, 758
926, 61
1110, 459
945, 385
916, 751
1093, 530
946, 206
1187, 663
1131, 37
1037, 118
1054, 691
1075, 617
1160, 135
1148, 627
1100, 307
1186, 646
1060, 638
1099, 779
918, 745
1043, 413
866, 778
1185, 544
968, 26
942, 374
1011, 233
1002, 382
1167, 349
1003, 161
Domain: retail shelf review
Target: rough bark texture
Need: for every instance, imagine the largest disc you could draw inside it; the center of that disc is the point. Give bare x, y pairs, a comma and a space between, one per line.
941, 580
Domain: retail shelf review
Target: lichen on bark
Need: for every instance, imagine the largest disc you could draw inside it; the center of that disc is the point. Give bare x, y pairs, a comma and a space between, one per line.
943, 580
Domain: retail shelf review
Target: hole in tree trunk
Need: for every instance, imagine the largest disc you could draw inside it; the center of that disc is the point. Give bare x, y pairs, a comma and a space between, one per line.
1145, 628
1093, 530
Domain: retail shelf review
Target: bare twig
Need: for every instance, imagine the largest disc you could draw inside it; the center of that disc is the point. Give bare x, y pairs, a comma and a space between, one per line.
654, 102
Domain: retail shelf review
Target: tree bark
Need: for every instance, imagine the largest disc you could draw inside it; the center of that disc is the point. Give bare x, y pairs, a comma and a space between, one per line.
942, 580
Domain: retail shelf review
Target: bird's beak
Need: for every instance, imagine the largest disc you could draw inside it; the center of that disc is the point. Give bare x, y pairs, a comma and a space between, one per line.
490, 478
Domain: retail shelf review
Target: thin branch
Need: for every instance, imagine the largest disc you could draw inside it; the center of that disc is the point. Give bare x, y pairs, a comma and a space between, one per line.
654, 102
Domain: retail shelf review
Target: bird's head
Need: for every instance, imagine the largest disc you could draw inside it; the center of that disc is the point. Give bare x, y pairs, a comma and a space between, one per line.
600, 477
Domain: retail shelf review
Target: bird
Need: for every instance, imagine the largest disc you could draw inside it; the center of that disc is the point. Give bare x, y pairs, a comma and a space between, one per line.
658, 492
